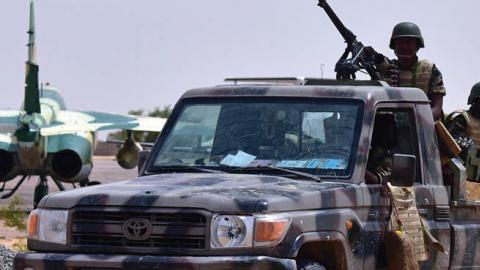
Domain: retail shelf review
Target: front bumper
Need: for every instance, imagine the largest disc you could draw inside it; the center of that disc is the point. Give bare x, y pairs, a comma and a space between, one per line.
64, 261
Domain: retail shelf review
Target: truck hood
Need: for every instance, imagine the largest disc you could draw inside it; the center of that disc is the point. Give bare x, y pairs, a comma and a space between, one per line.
217, 192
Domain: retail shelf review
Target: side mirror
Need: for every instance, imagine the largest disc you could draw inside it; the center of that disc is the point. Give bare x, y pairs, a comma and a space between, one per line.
142, 157
459, 175
403, 171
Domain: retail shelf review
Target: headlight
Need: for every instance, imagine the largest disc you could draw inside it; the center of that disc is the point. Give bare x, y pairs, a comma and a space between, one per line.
48, 225
247, 231
232, 232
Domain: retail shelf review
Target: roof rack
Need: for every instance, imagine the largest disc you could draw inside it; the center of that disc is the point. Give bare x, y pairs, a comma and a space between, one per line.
267, 80
303, 81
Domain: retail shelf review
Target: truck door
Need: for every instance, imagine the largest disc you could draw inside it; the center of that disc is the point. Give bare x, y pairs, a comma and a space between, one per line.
403, 140
409, 138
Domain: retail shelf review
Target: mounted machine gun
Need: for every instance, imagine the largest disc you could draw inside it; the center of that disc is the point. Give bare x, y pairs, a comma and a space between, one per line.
362, 57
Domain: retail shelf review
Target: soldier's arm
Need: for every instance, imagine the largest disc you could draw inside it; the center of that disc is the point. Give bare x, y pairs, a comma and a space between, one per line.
380, 173
436, 93
436, 103
371, 178
382, 63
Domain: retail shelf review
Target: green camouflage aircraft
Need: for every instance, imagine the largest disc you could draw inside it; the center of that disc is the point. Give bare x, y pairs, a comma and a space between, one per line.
45, 139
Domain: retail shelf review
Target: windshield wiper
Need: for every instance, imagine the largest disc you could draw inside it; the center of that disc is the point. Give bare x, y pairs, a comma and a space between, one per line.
183, 169
304, 174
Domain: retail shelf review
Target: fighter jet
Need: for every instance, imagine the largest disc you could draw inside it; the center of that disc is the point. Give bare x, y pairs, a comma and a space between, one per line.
45, 139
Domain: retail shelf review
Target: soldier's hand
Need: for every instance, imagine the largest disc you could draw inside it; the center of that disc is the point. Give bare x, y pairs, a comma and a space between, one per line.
377, 58
393, 75
465, 142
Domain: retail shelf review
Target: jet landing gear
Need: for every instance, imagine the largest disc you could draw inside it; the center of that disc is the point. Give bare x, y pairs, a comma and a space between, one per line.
13, 190
87, 182
41, 190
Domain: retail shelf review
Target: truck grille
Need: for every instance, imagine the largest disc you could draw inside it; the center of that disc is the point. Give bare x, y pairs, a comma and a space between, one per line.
169, 229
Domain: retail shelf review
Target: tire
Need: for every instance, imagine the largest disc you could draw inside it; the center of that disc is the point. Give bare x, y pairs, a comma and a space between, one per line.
309, 265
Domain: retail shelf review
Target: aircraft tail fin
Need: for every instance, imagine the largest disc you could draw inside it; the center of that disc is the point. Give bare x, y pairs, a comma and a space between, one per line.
31, 103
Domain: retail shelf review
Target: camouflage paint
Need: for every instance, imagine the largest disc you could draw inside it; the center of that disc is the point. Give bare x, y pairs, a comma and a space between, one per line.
319, 211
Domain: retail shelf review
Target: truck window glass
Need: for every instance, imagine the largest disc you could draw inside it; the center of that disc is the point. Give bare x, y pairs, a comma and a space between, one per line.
316, 137
403, 139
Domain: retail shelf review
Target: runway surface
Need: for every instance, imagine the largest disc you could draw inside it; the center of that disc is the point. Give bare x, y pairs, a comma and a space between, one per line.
105, 170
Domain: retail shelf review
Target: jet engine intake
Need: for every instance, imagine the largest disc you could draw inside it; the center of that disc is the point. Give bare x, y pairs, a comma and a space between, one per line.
127, 156
7, 164
69, 167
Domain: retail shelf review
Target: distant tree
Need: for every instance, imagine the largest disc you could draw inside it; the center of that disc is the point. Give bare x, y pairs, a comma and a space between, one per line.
163, 113
136, 112
117, 136
141, 136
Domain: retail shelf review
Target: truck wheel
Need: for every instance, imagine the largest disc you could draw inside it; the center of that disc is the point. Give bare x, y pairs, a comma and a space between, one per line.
309, 265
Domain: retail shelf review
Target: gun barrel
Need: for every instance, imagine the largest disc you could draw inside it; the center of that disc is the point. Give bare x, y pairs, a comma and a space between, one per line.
31, 35
344, 31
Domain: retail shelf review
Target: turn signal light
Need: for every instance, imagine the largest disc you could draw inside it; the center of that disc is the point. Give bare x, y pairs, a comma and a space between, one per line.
349, 225
32, 225
270, 230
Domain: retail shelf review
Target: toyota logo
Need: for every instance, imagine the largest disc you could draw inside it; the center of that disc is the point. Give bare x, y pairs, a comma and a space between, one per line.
137, 229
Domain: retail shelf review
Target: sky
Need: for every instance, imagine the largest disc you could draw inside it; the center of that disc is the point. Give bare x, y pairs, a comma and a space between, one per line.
117, 55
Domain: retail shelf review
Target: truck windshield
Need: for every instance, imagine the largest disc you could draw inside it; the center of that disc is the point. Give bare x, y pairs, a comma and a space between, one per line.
317, 137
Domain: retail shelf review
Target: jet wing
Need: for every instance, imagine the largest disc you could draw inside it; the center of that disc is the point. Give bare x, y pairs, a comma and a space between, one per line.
69, 122
9, 120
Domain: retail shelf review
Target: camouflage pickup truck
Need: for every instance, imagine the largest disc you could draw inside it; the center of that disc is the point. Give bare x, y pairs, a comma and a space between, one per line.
264, 176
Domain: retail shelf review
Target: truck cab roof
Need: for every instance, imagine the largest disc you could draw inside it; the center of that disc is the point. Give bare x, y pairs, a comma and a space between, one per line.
377, 91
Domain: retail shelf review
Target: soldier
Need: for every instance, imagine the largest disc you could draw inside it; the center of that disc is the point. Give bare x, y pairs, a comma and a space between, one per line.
408, 71
465, 128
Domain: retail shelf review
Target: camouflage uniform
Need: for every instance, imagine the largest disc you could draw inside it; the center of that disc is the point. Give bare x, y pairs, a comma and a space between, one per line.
423, 74
465, 128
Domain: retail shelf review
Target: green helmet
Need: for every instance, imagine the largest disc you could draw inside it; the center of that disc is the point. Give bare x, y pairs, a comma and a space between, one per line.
474, 93
407, 29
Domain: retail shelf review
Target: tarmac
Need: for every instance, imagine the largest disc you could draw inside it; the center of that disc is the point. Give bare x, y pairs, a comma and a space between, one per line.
105, 170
